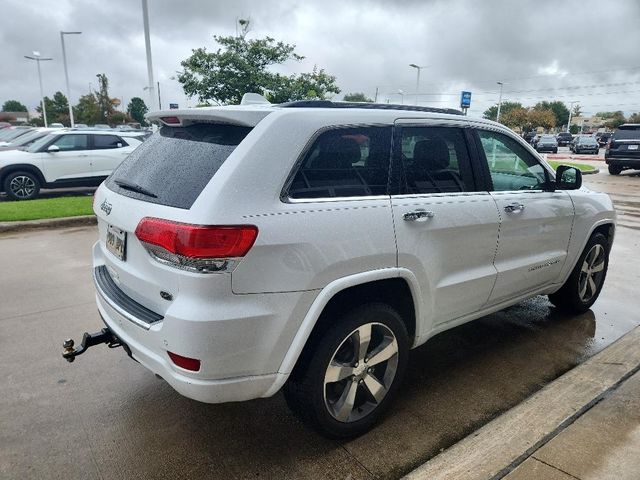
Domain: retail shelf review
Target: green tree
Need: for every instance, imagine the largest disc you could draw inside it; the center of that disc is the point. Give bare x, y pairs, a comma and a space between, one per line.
357, 97
137, 109
634, 118
573, 129
515, 117
577, 111
559, 109
241, 65
492, 112
612, 119
105, 103
13, 106
119, 118
57, 108
88, 110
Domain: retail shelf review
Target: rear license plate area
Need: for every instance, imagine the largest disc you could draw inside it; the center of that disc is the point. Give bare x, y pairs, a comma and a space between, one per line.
117, 242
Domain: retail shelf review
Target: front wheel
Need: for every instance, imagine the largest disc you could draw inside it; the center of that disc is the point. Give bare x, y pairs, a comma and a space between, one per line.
22, 186
583, 286
615, 169
351, 373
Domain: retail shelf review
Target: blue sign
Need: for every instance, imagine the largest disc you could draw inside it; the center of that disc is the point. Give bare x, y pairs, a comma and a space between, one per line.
465, 99
173, 106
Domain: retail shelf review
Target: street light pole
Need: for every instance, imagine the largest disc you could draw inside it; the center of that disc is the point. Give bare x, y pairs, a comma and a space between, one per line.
499, 101
147, 43
66, 73
38, 59
418, 68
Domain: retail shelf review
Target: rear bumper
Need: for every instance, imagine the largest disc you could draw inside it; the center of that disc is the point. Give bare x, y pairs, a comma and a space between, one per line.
622, 161
546, 149
241, 340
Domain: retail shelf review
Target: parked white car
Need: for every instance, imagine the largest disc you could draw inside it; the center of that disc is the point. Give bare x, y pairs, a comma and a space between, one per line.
62, 159
310, 245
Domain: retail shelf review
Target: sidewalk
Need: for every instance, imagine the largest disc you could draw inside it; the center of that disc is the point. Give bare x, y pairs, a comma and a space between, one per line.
585, 425
604, 443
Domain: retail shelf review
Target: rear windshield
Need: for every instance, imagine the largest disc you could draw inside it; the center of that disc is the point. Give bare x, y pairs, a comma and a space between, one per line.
173, 165
627, 134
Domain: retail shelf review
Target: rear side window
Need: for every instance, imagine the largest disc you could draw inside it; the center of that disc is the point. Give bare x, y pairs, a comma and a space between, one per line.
174, 165
434, 160
350, 162
101, 142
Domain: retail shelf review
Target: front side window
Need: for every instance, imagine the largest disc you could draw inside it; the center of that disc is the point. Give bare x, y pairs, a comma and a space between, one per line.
349, 162
434, 160
67, 143
511, 166
106, 141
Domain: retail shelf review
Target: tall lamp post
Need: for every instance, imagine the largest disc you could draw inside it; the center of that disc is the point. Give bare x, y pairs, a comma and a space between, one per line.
38, 59
147, 43
66, 73
418, 68
499, 101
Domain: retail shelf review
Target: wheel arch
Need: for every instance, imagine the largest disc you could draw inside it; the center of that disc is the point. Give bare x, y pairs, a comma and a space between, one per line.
21, 167
396, 286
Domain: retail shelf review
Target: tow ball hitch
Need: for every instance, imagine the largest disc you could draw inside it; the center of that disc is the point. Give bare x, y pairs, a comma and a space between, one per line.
89, 340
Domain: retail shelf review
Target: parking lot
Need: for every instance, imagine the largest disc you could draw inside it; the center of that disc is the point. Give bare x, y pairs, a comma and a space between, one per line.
106, 417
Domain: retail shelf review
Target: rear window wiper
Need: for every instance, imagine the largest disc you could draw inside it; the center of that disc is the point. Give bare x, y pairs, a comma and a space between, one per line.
134, 187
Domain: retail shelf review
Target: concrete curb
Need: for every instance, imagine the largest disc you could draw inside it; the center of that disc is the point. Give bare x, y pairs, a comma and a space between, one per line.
82, 220
503, 444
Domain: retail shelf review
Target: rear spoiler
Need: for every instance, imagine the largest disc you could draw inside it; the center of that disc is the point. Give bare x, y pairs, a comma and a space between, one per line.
241, 115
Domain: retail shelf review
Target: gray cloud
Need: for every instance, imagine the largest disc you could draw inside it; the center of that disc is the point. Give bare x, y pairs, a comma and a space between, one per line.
367, 44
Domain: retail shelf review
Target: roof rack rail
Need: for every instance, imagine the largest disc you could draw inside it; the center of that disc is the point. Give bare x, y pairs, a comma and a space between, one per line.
368, 106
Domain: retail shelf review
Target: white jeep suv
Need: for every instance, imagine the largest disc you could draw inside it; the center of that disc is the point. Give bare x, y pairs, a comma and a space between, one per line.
310, 245
62, 159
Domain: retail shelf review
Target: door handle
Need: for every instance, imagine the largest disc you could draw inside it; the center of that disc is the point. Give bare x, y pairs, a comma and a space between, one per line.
417, 214
514, 207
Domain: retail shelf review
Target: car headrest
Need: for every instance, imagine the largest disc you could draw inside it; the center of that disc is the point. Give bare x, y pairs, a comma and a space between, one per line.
431, 154
338, 152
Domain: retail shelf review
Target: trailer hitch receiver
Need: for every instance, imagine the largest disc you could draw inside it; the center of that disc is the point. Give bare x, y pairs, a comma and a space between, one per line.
89, 340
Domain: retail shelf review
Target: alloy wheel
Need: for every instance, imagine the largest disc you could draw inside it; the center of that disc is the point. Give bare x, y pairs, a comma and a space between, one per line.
22, 186
591, 273
360, 372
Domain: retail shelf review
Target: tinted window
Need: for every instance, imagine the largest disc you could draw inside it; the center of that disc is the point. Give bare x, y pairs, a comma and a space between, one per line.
176, 163
350, 162
627, 134
67, 143
107, 141
511, 166
434, 160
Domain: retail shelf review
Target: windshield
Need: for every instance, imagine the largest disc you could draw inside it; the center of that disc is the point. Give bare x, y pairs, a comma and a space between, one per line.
15, 133
38, 144
548, 138
174, 165
27, 138
588, 140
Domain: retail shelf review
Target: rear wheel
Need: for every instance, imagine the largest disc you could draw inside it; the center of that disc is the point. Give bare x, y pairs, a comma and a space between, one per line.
615, 169
352, 373
584, 284
22, 186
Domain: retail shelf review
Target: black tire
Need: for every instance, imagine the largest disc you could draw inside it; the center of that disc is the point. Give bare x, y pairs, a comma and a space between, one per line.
21, 186
569, 298
615, 169
555, 150
308, 394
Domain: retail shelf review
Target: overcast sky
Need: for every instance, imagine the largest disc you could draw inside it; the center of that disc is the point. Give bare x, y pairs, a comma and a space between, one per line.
582, 50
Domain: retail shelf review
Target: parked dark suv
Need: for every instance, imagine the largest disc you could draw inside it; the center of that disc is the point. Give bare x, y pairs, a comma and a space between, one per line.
603, 138
623, 150
564, 139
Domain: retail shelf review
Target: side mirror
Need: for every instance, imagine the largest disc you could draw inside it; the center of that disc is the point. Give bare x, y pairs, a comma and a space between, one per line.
568, 178
53, 148
119, 145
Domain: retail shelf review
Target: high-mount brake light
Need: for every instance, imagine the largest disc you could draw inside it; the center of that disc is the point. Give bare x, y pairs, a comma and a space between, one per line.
198, 248
171, 120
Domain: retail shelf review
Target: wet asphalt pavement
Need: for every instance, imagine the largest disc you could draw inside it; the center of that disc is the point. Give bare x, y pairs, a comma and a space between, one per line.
105, 416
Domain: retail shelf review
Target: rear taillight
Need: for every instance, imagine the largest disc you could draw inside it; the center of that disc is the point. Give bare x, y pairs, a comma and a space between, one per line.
187, 363
198, 248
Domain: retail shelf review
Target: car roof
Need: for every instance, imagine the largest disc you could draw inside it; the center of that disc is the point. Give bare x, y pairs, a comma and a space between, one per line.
250, 115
